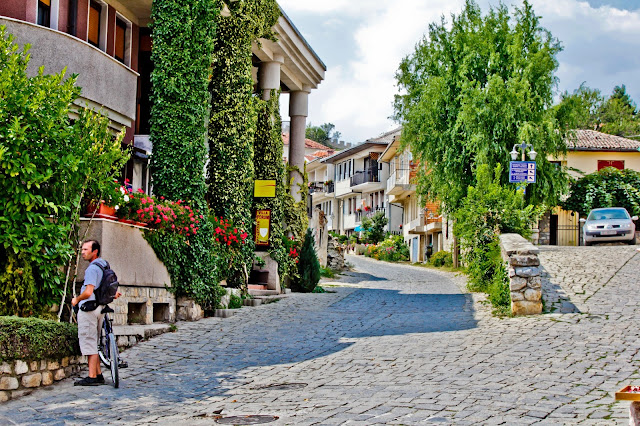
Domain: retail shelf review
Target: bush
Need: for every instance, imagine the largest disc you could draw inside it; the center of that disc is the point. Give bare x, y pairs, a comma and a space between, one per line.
308, 266
393, 249
327, 272
48, 163
374, 228
36, 339
235, 302
441, 258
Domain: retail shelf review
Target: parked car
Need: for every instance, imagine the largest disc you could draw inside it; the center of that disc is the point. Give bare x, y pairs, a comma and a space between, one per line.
609, 224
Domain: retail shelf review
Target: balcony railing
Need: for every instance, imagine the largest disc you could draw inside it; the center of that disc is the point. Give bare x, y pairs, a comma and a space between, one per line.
315, 187
365, 176
329, 188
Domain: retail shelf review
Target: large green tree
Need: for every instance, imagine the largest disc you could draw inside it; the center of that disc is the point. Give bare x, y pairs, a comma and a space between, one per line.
586, 108
471, 90
323, 133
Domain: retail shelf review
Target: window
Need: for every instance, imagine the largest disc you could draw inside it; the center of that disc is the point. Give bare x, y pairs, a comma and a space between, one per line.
44, 13
618, 164
95, 18
121, 33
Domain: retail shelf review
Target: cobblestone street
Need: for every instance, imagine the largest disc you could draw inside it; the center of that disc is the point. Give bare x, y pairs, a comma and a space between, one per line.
395, 344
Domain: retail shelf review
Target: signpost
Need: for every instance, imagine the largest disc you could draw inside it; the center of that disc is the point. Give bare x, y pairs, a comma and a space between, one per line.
522, 171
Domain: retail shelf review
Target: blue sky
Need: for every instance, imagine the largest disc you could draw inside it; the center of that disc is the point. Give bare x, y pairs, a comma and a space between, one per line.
363, 41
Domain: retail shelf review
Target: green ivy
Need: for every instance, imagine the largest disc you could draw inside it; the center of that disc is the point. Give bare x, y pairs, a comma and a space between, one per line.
269, 166
233, 119
183, 43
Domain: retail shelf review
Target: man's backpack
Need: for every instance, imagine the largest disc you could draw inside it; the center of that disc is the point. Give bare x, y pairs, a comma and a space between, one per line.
106, 291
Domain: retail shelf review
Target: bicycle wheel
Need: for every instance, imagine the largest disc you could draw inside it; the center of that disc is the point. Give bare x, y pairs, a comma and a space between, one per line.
113, 358
103, 349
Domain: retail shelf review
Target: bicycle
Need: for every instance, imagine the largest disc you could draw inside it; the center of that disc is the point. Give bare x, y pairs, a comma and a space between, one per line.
108, 347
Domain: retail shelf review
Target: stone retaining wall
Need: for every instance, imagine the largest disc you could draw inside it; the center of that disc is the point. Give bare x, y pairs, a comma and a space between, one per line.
523, 266
20, 377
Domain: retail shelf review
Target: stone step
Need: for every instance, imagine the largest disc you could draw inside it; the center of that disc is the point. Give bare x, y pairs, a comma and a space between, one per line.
262, 292
257, 286
129, 335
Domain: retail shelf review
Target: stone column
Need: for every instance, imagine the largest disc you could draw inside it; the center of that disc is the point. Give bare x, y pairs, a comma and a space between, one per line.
269, 76
298, 111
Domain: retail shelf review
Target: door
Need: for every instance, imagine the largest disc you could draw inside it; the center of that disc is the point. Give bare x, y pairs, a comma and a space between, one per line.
415, 249
553, 228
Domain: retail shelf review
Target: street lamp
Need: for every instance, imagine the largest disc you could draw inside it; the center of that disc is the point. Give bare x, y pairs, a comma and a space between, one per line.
523, 147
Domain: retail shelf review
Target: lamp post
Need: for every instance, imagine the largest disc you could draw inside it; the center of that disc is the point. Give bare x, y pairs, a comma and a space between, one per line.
523, 148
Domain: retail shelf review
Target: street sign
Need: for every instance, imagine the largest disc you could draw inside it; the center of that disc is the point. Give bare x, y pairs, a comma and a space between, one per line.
522, 171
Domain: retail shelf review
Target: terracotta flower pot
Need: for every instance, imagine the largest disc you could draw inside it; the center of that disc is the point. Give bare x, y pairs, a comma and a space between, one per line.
104, 211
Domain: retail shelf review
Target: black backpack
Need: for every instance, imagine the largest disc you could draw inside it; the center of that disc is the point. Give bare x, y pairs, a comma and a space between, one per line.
106, 291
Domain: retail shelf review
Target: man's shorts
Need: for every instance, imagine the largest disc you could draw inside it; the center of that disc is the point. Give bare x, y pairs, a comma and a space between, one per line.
89, 324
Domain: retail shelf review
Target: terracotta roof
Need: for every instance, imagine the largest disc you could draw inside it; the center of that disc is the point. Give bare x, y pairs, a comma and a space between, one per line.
591, 140
322, 153
308, 143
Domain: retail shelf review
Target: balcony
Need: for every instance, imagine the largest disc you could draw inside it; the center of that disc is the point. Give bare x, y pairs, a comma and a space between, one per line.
329, 188
106, 83
398, 182
364, 176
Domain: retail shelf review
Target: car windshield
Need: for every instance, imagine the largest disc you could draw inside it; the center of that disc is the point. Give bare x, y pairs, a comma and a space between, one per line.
608, 214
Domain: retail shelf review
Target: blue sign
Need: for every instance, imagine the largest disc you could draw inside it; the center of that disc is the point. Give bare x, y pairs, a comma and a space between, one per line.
522, 171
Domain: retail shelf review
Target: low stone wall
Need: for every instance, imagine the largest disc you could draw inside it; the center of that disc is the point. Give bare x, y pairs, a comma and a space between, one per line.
18, 378
143, 305
523, 266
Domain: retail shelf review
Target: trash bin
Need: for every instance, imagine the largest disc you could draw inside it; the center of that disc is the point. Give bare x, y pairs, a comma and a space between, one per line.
429, 250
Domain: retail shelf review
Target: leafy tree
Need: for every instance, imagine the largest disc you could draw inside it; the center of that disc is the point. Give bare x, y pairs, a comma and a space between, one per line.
608, 187
48, 164
474, 88
374, 227
586, 108
323, 134
308, 266
488, 210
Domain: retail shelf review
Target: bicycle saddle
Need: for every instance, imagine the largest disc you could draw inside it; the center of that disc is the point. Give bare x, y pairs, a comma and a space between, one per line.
106, 310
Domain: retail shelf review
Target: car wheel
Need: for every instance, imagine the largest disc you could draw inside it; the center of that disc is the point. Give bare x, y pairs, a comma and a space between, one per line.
588, 243
632, 242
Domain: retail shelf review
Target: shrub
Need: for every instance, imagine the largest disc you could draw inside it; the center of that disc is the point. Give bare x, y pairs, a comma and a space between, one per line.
308, 266
374, 228
35, 339
49, 162
327, 272
235, 302
441, 258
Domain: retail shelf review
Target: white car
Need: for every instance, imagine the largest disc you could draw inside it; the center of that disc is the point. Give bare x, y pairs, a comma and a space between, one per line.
609, 224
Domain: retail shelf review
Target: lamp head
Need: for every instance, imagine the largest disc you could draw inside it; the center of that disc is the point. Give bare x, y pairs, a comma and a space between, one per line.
533, 155
514, 154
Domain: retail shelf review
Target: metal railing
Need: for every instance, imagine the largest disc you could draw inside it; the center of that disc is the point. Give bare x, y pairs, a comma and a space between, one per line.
329, 187
365, 176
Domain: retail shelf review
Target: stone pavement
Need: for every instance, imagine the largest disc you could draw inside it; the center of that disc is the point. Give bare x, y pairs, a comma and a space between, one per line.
396, 344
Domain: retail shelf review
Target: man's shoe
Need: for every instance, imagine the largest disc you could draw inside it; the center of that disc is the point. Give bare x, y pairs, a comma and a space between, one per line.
100, 379
88, 381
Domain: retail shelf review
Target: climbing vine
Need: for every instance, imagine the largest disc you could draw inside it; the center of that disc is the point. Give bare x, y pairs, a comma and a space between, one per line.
183, 43
233, 119
269, 166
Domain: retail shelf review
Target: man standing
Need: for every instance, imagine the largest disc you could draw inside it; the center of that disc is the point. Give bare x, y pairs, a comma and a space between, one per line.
90, 315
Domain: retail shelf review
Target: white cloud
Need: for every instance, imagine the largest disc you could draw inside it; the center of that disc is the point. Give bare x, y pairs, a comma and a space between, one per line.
601, 48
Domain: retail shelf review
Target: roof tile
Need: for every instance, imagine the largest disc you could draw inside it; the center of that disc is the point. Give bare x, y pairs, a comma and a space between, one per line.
597, 141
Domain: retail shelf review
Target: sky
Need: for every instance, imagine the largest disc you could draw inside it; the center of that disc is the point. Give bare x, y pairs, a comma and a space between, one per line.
362, 43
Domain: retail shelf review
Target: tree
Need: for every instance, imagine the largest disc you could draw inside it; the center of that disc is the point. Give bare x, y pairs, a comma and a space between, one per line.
586, 108
48, 164
470, 91
608, 187
374, 227
308, 266
323, 134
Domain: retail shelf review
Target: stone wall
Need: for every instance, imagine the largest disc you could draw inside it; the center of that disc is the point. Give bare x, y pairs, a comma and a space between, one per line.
335, 254
18, 378
523, 266
143, 305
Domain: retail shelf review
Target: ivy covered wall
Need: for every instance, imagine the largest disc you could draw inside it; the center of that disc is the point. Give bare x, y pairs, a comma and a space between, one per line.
233, 120
183, 43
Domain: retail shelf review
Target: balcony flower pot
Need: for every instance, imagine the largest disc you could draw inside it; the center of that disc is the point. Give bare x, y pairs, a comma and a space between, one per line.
104, 211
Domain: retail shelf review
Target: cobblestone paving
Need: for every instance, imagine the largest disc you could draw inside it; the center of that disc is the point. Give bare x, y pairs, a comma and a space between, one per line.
396, 344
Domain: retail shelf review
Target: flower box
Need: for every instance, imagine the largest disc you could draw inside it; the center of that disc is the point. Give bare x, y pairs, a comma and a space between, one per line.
628, 393
104, 211
132, 222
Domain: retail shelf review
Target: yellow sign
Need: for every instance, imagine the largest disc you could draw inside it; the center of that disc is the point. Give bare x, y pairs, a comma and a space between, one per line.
263, 226
264, 188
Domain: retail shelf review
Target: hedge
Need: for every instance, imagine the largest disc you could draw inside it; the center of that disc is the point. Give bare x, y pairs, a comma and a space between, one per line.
35, 339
